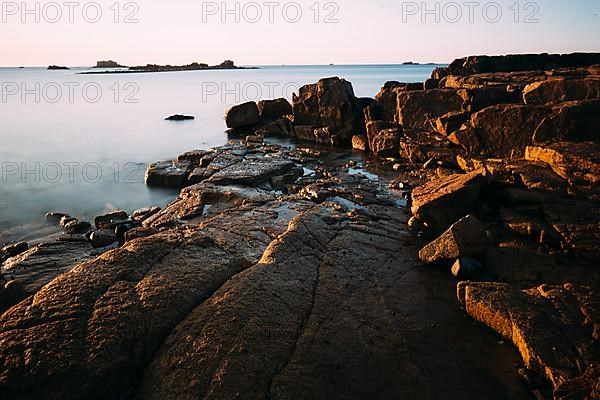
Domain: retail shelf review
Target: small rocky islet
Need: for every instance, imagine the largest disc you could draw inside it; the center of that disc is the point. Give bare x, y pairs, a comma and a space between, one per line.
295, 272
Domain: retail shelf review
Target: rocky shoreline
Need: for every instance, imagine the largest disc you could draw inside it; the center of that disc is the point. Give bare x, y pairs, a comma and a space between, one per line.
295, 272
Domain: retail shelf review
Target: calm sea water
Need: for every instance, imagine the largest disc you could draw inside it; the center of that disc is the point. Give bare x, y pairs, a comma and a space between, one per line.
80, 143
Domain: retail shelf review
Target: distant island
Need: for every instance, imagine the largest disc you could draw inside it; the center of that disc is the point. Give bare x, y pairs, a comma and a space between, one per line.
109, 64
56, 68
228, 64
416, 63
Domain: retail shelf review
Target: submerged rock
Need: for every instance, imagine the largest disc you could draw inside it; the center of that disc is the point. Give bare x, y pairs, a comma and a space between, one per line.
103, 238
109, 220
54, 218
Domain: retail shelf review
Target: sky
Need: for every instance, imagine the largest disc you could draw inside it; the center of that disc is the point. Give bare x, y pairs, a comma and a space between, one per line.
78, 33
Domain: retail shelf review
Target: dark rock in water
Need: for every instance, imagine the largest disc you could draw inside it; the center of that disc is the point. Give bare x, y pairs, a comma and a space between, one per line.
103, 238
179, 117
466, 268
122, 229
137, 233
466, 238
172, 174
555, 328
441, 202
13, 250
331, 109
57, 68
64, 221
77, 227
53, 218
242, 115
108, 219
144, 213
274, 109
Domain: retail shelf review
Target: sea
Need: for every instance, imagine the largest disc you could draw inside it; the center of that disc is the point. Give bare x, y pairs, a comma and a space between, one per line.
80, 143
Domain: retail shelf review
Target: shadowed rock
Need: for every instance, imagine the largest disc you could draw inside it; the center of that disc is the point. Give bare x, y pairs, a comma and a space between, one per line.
555, 328
465, 238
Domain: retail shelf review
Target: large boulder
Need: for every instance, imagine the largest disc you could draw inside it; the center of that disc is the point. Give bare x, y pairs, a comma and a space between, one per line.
561, 90
555, 328
386, 101
384, 138
242, 115
416, 109
574, 120
331, 108
441, 202
466, 238
507, 129
274, 109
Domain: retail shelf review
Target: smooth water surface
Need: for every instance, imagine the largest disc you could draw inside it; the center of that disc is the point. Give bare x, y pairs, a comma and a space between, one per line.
80, 143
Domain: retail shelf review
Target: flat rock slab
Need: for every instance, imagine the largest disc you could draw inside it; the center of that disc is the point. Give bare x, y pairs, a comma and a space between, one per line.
276, 321
41, 264
555, 328
168, 174
206, 199
253, 171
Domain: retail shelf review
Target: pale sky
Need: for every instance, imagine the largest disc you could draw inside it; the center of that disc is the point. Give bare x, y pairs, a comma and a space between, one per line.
358, 32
